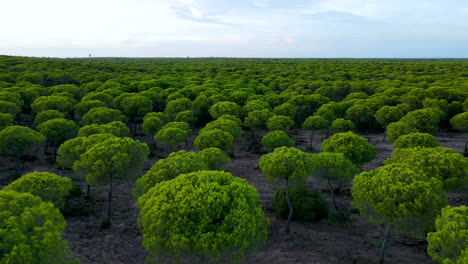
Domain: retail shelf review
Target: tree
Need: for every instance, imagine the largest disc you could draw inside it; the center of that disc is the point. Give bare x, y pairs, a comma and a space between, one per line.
255, 105
57, 131
285, 165
48, 186
388, 114
424, 120
223, 124
399, 196
54, 102
315, 123
285, 109
9, 108
215, 158
180, 162
151, 125
178, 105
342, 125
102, 115
115, 158
225, 108
46, 115
171, 136
354, 147
187, 116
276, 139
98, 96
202, 217
398, 129
19, 140
335, 168
135, 107
444, 164
31, 230
6, 120
115, 128
71, 150
413, 140
280, 122
450, 239
460, 123
214, 138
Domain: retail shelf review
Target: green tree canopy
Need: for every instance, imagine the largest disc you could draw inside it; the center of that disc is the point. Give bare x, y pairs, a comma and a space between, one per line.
46, 115
54, 102
416, 140
460, 123
342, 125
102, 115
48, 186
335, 168
202, 217
225, 108
286, 165
215, 158
399, 196
279, 122
31, 230
171, 136
114, 158
398, 129
214, 138
18, 141
115, 128
276, 139
354, 147
450, 239
166, 169
424, 120
6, 120
444, 164
223, 124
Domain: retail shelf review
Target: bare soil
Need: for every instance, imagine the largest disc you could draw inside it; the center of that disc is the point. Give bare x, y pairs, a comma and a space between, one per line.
357, 241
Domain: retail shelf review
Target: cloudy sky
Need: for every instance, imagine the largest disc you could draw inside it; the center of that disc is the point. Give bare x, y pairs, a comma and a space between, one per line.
235, 28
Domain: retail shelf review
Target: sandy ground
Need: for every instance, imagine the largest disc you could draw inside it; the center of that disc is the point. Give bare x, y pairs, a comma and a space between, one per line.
355, 242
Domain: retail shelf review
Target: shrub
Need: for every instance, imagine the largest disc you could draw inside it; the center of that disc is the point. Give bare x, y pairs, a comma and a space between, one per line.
413, 140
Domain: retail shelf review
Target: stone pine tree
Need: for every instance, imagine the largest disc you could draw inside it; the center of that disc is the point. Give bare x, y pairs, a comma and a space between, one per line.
18, 141
115, 158
202, 217
400, 197
31, 230
315, 123
335, 168
460, 123
449, 242
286, 166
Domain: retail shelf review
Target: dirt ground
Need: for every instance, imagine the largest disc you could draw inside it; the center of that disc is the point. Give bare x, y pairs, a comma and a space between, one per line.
357, 241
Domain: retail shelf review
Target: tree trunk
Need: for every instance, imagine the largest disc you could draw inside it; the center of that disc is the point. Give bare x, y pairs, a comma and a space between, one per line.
17, 167
465, 151
88, 189
109, 201
384, 245
55, 152
46, 146
333, 196
291, 209
384, 134
134, 129
311, 140
327, 134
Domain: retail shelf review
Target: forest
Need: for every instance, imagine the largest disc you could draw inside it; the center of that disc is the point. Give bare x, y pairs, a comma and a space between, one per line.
233, 160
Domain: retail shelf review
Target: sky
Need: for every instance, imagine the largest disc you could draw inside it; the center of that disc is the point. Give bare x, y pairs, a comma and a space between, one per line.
236, 28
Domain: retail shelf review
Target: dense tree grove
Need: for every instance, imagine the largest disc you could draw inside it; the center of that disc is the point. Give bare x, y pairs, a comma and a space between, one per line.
99, 116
